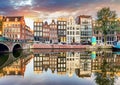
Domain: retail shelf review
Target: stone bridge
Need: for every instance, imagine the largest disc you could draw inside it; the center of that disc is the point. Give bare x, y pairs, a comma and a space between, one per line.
6, 46
7, 59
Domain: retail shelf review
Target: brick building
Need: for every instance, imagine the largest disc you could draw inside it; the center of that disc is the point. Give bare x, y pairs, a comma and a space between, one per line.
14, 27
46, 32
38, 30
53, 32
61, 29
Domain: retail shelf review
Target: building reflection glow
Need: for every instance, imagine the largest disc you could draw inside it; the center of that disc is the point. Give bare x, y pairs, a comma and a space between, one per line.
81, 63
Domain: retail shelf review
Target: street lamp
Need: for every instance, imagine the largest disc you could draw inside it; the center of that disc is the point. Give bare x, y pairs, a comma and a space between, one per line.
0, 33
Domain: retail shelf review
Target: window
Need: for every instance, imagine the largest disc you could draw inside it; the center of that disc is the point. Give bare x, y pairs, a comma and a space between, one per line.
37, 29
59, 23
64, 32
77, 33
68, 23
37, 24
68, 32
7, 20
73, 32
16, 19
34, 23
64, 22
64, 27
58, 27
73, 28
68, 28
77, 28
40, 33
37, 33
86, 27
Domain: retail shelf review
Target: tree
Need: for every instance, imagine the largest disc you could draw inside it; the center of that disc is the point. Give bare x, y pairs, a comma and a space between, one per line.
106, 22
102, 78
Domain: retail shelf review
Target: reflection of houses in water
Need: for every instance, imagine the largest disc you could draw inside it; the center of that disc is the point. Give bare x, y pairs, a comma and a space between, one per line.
53, 62
106, 62
85, 64
61, 63
18, 67
38, 63
43, 61
15, 69
79, 63
72, 62
100, 57
46, 61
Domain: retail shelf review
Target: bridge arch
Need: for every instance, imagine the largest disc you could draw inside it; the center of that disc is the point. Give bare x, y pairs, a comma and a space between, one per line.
16, 46
4, 48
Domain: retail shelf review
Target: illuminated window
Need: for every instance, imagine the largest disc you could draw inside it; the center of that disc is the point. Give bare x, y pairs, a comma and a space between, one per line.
7, 20
16, 19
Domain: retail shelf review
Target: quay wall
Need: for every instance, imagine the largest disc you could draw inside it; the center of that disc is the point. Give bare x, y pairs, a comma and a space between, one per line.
58, 46
66, 46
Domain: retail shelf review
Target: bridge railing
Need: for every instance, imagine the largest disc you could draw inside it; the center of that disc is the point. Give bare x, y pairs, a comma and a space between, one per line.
5, 39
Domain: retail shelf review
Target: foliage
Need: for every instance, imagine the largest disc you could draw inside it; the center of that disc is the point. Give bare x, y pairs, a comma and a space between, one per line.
107, 21
103, 78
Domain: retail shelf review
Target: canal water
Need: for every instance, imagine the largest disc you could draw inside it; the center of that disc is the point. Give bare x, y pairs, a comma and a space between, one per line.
60, 67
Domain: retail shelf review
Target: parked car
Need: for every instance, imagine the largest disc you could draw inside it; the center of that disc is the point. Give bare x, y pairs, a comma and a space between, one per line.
75, 43
85, 42
62, 43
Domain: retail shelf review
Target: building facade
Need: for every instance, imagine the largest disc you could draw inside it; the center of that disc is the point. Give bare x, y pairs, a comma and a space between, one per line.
1, 21
111, 36
85, 23
97, 33
85, 65
38, 63
61, 63
38, 30
118, 33
46, 32
53, 32
28, 33
14, 27
53, 62
73, 31
72, 62
61, 29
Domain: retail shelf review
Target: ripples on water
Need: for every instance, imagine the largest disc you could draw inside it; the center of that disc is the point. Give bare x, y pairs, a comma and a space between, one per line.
60, 67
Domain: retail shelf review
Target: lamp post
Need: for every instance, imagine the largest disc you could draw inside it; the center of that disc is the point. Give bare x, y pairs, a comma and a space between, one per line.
0, 33
18, 37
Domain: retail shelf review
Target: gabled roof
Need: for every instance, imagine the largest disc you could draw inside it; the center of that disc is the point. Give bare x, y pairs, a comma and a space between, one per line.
12, 18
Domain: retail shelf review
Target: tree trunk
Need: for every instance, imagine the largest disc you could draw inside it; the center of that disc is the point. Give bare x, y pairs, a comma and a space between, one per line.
105, 40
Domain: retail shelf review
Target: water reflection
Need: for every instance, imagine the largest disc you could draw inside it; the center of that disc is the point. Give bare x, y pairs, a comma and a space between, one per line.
107, 68
70, 63
95, 67
14, 63
104, 64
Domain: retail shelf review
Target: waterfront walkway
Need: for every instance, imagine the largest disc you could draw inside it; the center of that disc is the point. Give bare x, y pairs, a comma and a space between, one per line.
66, 46
58, 46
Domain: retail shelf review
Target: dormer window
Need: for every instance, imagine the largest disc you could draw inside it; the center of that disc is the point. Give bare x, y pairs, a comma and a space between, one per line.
7, 19
16, 19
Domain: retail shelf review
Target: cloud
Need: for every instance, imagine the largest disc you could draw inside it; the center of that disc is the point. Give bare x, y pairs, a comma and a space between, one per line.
55, 8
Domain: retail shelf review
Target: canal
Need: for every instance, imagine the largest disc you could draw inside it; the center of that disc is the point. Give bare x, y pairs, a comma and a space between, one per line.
60, 67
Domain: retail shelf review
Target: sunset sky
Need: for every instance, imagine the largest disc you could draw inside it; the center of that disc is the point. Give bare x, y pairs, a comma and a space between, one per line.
49, 9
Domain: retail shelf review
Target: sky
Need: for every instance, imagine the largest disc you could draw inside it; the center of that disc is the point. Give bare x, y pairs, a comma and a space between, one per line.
50, 9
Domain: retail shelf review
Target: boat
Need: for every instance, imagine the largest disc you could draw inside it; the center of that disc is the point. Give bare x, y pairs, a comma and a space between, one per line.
116, 45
